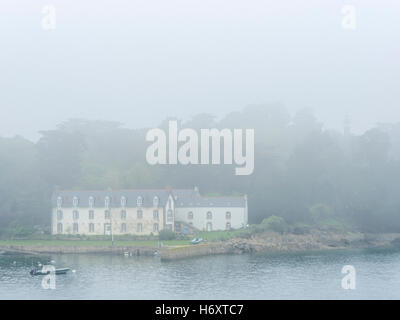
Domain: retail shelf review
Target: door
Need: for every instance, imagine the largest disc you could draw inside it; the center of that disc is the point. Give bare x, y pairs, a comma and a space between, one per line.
107, 229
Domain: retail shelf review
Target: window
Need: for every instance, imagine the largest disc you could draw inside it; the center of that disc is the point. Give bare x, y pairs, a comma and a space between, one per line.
91, 214
107, 201
75, 228
91, 202
91, 227
123, 214
59, 228
139, 214
75, 214
228, 226
75, 201
139, 227
107, 214
169, 216
156, 201
155, 214
139, 201
155, 227
123, 227
123, 201
228, 215
59, 202
59, 215
190, 215
209, 215
209, 226
107, 229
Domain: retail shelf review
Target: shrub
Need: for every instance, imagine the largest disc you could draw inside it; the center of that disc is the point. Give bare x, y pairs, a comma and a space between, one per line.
301, 229
19, 232
166, 235
324, 217
274, 223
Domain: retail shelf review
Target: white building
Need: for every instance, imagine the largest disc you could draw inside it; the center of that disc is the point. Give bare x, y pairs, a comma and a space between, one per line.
144, 212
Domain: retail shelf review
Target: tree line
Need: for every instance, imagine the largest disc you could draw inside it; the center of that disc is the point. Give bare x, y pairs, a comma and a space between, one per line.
303, 172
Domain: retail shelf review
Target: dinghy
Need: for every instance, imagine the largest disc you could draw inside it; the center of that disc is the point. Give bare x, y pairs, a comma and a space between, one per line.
196, 240
36, 272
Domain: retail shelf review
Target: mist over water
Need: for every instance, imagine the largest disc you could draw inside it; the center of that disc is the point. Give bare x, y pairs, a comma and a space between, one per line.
314, 83
272, 276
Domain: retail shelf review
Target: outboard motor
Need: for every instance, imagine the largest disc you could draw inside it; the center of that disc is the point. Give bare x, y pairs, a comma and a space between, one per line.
33, 271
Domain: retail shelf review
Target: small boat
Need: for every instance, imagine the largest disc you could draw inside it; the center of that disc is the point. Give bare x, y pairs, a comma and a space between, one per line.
36, 272
196, 240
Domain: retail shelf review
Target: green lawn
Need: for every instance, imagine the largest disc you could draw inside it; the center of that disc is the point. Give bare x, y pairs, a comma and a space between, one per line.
139, 243
209, 236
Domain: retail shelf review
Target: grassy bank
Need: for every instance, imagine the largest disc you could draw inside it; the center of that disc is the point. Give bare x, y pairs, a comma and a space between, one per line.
100, 243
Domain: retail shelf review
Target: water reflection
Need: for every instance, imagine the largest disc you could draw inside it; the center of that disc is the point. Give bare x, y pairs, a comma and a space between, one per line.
273, 276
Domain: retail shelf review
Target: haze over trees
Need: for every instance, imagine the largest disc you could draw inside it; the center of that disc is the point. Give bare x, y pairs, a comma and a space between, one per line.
304, 173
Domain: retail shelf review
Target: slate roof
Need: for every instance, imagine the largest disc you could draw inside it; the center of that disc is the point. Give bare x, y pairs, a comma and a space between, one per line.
115, 197
192, 198
183, 198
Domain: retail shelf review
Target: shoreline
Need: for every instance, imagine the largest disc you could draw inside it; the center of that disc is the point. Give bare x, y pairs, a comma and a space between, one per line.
268, 242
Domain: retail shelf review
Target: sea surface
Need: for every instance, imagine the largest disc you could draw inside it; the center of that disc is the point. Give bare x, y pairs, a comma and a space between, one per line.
316, 275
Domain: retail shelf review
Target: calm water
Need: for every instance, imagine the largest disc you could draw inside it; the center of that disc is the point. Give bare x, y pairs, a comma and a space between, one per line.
278, 276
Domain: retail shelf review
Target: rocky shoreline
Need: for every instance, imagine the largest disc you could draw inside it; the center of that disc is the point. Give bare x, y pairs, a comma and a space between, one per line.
274, 242
264, 242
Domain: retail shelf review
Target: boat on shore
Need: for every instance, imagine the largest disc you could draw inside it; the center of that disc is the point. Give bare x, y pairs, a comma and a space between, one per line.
196, 240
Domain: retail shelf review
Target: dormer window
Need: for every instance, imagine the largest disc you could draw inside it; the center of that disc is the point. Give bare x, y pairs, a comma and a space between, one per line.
91, 202
139, 201
59, 202
75, 201
123, 201
107, 201
156, 201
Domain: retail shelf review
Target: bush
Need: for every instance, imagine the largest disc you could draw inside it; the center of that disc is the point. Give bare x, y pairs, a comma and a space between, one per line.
324, 217
274, 223
18, 232
166, 235
301, 229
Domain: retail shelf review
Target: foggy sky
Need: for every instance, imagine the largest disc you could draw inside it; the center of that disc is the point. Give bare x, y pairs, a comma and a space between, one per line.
138, 62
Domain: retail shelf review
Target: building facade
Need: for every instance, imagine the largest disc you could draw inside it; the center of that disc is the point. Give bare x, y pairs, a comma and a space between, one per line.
144, 212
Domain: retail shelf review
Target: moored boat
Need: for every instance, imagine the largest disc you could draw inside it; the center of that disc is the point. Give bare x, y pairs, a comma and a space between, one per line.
36, 272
